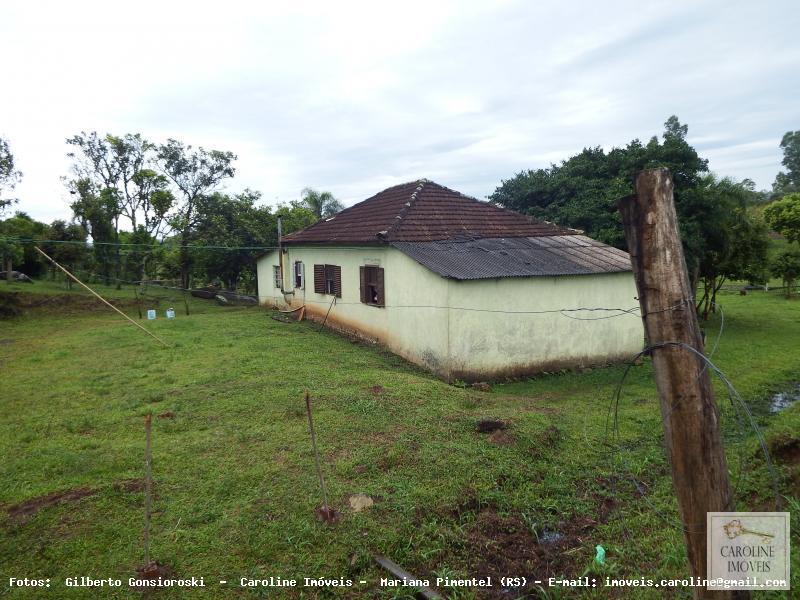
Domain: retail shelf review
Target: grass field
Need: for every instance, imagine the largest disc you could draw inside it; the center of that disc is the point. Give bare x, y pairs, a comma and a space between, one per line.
235, 486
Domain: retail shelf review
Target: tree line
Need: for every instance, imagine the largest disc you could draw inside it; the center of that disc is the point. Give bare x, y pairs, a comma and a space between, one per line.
724, 223
154, 211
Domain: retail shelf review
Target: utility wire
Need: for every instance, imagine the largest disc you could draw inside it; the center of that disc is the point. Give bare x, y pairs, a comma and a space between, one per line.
17, 240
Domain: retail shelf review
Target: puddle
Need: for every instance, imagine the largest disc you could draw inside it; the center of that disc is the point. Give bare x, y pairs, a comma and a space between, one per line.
783, 400
549, 537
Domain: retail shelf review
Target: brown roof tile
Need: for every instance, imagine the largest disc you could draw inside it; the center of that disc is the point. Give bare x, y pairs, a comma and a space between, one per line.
422, 211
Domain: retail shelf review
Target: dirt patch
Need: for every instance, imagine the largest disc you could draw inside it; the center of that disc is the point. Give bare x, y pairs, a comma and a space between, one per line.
546, 442
377, 389
129, 486
77, 302
152, 572
326, 514
785, 448
30, 507
501, 437
503, 545
167, 415
490, 425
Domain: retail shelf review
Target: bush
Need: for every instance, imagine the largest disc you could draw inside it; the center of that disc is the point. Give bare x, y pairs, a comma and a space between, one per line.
9, 305
787, 267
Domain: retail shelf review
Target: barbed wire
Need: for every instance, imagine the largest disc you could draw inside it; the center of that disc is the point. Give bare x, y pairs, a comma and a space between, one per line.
159, 245
740, 408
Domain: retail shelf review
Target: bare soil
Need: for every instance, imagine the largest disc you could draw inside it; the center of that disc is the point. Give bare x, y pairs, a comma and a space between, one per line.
785, 448
30, 507
504, 546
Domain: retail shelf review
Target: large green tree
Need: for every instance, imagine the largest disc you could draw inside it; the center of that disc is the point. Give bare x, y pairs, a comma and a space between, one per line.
96, 211
20, 255
787, 267
725, 239
783, 216
789, 181
237, 222
9, 175
582, 192
196, 174
68, 246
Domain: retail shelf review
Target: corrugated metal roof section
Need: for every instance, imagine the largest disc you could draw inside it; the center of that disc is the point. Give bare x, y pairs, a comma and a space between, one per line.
421, 211
490, 258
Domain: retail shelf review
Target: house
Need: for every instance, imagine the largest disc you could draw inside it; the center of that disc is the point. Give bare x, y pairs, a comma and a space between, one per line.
468, 290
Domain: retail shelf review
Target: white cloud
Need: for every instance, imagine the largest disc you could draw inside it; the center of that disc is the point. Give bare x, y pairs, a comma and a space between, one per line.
355, 96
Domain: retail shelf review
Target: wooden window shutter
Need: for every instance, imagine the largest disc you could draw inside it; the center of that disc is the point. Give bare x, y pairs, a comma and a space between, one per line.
362, 275
319, 279
380, 290
337, 281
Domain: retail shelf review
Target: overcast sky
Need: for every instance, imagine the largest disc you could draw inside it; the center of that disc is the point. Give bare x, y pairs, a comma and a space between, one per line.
353, 97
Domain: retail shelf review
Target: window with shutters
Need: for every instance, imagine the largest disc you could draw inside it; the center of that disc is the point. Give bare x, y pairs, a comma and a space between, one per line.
372, 286
328, 280
299, 272
277, 272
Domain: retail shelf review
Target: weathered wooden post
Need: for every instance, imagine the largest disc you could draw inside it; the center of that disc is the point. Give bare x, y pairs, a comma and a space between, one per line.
148, 486
688, 410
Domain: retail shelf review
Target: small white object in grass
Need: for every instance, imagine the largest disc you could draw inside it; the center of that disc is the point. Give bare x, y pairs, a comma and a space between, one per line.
151, 314
170, 313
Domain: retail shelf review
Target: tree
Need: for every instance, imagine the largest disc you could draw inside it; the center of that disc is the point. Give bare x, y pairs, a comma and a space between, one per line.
234, 222
789, 181
9, 175
787, 267
72, 252
153, 199
783, 216
196, 174
582, 192
96, 212
322, 204
98, 165
723, 239
130, 154
10, 250
18, 255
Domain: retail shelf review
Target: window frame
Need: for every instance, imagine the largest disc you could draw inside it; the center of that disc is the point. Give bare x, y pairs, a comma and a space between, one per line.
299, 275
373, 285
277, 279
328, 280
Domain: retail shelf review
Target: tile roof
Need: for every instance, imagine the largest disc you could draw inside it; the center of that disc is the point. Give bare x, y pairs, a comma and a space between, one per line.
422, 211
517, 257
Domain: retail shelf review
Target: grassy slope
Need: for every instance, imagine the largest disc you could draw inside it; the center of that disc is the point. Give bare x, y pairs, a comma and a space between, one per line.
235, 482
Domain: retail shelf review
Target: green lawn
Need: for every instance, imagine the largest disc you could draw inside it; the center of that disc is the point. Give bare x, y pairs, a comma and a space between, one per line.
235, 486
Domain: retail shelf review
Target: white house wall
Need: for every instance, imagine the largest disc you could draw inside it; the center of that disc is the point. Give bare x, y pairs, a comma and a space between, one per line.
413, 323
485, 344
467, 329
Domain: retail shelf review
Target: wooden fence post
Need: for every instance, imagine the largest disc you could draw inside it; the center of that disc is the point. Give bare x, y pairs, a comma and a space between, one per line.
689, 413
148, 486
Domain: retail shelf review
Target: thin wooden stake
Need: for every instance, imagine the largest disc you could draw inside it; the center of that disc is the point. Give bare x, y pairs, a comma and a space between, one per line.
185, 303
148, 486
401, 573
688, 411
103, 300
325, 505
138, 301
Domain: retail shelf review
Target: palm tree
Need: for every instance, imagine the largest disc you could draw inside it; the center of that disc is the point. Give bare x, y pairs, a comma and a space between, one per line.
322, 204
